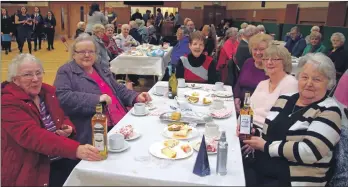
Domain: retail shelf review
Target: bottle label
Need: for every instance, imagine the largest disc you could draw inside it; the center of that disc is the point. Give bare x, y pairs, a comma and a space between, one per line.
245, 124
99, 137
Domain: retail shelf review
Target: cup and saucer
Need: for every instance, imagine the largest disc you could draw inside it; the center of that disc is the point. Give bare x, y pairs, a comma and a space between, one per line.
160, 90
140, 109
117, 143
181, 83
219, 86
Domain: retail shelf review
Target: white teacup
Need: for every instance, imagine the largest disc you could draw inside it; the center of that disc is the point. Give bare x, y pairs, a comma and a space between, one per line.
211, 130
217, 104
181, 83
182, 102
139, 108
219, 86
116, 141
161, 90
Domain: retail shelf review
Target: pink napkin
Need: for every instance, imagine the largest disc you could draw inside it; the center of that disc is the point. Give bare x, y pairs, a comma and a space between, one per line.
221, 113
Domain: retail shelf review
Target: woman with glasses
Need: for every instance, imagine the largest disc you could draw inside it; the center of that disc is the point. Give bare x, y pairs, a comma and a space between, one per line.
252, 72
82, 84
110, 42
37, 144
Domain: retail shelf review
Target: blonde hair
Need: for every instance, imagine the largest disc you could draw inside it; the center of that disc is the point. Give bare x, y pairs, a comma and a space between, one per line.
243, 25
258, 38
79, 24
187, 20
315, 35
281, 52
98, 28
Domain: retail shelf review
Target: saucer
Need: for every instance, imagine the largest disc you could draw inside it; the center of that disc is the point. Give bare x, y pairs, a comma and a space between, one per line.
144, 114
126, 146
158, 94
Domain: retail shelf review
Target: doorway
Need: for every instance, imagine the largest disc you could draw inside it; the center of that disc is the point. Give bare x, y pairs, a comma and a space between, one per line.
213, 14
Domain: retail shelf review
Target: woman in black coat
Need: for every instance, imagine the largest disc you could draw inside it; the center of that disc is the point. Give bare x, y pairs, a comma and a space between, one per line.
50, 24
24, 28
7, 29
338, 54
37, 27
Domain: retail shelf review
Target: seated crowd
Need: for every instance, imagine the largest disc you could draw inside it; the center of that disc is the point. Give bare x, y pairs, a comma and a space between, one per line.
297, 130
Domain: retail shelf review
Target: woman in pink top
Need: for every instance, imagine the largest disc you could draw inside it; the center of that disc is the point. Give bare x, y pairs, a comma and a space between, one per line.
277, 63
228, 50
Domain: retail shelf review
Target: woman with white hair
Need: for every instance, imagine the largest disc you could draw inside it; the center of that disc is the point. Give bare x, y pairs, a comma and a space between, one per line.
124, 40
37, 138
240, 35
243, 25
315, 45
337, 54
152, 32
142, 30
261, 29
313, 29
98, 34
81, 26
227, 52
134, 31
300, 132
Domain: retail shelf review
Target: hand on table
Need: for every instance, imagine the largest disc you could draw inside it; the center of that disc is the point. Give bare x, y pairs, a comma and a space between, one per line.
144, 97
88, 152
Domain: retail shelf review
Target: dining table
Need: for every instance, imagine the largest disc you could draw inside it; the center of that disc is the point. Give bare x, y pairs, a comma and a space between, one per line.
137, 166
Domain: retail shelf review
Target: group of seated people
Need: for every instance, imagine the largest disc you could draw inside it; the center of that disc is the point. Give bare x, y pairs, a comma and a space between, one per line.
297, 126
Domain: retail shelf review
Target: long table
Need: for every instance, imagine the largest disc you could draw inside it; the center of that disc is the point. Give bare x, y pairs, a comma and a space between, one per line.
141, 65
136, 166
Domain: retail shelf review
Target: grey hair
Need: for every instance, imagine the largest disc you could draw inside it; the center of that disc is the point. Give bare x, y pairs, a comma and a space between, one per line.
232, 32
315, 28
339, 35
243, 25
324, 66
250, 30
108, 26
17, 61
124, 25
261, 28
83, 38
98, 28
133, 24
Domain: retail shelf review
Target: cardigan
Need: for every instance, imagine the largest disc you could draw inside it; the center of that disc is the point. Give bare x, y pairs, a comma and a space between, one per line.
310, 141
308, 48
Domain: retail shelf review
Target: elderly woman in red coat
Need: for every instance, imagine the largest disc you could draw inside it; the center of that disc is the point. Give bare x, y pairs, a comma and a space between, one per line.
35, 134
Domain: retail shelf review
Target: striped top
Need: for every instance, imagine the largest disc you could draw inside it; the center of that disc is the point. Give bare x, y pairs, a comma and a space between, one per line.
48, 122
311, 136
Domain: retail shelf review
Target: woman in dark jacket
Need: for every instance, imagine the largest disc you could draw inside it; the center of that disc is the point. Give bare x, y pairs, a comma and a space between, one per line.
37, 27
6, 30
338, 55
50, 24
210, 42
24, 28
196, 66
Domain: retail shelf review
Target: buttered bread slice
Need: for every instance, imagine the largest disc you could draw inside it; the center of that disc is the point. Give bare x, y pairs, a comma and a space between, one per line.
170, 153
171, 143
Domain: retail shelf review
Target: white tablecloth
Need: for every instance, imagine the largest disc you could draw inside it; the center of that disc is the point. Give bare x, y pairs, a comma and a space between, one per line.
126, 169
294, 62
141, 65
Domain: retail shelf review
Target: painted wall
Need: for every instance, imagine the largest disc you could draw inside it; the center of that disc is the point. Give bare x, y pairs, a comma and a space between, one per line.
193, 4
270, 4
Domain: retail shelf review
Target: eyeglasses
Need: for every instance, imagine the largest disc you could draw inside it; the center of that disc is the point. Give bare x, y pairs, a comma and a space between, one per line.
85, 52
272, 59
31, 75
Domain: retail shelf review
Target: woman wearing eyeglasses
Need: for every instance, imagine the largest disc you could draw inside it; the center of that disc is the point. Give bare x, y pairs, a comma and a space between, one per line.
36, 136
82, 84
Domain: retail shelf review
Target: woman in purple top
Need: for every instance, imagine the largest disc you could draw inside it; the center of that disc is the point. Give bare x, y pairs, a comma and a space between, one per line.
252, 72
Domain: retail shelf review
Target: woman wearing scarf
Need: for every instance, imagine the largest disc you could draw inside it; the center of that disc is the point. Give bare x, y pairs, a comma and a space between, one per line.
315, 44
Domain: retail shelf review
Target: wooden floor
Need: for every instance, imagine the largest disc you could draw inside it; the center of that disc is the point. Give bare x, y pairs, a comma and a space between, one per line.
51, 60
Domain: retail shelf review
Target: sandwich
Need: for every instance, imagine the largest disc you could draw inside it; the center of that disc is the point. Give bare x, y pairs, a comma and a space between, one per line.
171, 143
175, 116
206, 101
193, 99
170, 153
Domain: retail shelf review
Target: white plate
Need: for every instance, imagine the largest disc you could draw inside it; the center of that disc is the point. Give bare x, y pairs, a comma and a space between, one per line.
169, 134
200, 93
200, 101
197, 144
158, 94
144, 114
155, 150
196, 86
214, 89
126, 146
224, 94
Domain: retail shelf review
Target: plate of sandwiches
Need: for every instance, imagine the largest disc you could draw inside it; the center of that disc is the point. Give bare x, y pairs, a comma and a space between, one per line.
171, 149
179, 130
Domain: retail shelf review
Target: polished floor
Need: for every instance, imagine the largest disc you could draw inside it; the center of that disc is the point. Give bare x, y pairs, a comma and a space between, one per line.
51, 61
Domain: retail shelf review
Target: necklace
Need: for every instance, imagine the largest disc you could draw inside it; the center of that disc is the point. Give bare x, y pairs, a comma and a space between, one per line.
292, 112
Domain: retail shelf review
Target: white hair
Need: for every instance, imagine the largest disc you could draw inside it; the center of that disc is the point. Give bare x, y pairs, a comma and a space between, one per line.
324, 65
17, 61
133, 24
82, 38
125, 25
243, 25
250, 30
232, 32
315, 28
261, 28
340, 36
108, 26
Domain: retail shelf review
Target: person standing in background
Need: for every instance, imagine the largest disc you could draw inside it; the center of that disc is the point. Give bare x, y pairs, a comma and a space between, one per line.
6, 28
24, 28
136, 15
95, 17
146, 16
112, 18
37, 27
177, 21
15, 33
158, 21
50, 24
